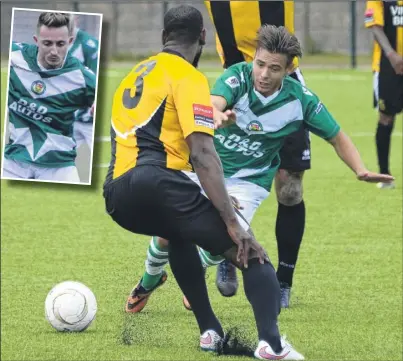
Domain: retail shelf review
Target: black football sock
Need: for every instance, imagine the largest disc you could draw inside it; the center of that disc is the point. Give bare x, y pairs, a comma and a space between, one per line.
188, 271
263, 292
383, 137
290, 226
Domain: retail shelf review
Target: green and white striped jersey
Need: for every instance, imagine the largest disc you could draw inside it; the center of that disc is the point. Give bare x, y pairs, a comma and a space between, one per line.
41, 106
85, 49
250, 148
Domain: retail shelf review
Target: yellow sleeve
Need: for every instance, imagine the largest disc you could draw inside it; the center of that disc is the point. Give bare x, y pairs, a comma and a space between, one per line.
193, 104
374, 14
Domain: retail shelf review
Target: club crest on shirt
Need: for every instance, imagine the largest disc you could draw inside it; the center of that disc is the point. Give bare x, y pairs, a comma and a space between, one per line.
38, 87
255, 126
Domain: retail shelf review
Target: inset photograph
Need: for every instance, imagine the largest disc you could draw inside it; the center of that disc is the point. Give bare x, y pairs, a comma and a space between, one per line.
51, 96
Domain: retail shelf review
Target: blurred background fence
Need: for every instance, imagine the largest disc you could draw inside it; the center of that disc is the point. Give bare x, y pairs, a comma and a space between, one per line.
132, 28
25, 22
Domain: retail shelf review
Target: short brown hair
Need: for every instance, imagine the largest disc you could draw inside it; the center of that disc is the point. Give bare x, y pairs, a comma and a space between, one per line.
279, 40
54, 20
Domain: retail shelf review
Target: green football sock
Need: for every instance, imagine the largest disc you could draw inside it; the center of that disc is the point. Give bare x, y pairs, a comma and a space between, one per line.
208, 260
157, 258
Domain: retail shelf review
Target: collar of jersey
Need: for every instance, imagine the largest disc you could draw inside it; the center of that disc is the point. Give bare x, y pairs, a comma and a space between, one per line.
173, 52
266, 100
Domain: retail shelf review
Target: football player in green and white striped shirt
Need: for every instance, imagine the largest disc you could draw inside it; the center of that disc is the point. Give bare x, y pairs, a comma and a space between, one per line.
256, 105
86, 49
46, 87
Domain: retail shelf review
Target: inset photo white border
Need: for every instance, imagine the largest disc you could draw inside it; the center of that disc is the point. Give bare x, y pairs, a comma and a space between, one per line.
51, 96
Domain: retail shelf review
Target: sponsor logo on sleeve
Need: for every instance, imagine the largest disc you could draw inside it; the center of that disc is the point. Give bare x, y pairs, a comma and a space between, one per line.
232, 82
369, 16
319, 107
203, 115
91, 43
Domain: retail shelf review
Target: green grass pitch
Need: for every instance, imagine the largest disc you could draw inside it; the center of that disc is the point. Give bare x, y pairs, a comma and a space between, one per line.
347, 297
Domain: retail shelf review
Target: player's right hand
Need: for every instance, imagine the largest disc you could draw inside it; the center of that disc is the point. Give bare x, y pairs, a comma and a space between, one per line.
245, 243
397, 62
223, 119
372, 177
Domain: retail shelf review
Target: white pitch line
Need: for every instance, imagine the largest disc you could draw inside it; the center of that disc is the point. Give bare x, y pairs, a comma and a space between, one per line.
216, 74
369, 134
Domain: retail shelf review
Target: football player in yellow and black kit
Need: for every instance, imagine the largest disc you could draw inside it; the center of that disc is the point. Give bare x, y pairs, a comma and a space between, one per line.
236, 24
162, 126
385, 19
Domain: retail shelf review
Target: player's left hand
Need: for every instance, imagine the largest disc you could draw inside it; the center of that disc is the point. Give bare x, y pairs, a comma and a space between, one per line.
372, 177
397, 62
224, 119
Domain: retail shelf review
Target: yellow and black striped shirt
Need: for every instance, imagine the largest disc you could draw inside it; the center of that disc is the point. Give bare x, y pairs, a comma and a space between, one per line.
389, 15
237, 23
160, 102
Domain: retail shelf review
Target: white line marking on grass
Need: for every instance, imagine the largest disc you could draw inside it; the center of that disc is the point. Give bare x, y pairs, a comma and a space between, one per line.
102, 165
324, 77
212, 74
369, 134
114, 73
336, 77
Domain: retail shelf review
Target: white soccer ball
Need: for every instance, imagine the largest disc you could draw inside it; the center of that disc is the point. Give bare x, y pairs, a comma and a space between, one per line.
70, 306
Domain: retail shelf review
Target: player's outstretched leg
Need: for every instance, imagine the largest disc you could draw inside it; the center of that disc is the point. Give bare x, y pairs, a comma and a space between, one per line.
153, 277
263, 293
189, 274
290, 226
207, 260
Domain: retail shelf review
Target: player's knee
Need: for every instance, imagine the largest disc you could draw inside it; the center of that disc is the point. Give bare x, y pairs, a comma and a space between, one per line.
386, 119
289, 187
162, 242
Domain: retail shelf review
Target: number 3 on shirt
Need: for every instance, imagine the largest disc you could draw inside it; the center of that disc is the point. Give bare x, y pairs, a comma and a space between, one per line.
130, 102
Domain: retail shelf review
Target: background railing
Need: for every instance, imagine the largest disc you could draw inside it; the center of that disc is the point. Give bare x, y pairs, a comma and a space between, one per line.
131, 28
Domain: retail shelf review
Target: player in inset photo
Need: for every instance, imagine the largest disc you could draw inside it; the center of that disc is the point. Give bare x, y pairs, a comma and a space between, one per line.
47, 87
